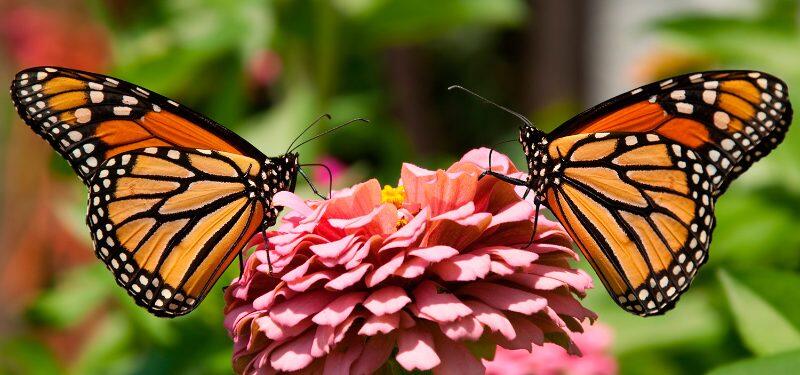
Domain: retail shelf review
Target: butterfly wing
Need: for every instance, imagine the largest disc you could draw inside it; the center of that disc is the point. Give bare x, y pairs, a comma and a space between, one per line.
89, 118
746, 113
168, 222
640, 207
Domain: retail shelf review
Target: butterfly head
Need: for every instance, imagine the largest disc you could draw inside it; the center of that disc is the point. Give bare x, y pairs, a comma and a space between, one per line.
534, 143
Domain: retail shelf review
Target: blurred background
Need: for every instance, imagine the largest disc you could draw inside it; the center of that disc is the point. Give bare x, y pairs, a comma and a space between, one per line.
268, 68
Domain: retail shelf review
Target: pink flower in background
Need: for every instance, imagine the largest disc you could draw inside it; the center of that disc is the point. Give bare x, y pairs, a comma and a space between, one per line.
320, 175
422, 274
264, 67
594, 344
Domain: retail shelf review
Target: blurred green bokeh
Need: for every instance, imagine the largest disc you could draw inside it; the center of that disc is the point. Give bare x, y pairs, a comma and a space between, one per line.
268, 68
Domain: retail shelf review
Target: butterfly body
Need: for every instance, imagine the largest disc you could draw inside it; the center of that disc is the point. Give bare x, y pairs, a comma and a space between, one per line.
174, 197
634, 180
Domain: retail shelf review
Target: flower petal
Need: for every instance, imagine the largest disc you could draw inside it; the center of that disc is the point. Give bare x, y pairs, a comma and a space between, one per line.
333, 249
456, 359
290, 200
505, 298
295, 354
464, 267
348, 278
467, 328
434, 254
376, 351
339, 309
376, 324
416, 350
385, 270
293, 310
388, 300
492, 318
440, 306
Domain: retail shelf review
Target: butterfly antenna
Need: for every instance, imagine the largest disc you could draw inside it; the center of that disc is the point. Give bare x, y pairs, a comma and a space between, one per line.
487, 101
306, 129
329, 131
330, 176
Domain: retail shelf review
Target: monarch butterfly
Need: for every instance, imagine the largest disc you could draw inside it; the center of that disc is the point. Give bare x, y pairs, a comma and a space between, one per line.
173, 195
634, 180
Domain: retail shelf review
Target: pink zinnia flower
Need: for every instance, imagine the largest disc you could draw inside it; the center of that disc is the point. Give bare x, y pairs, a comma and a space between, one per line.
425, 274
594, 344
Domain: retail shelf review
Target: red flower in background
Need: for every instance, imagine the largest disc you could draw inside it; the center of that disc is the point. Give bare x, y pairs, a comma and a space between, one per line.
422, 272
38, 36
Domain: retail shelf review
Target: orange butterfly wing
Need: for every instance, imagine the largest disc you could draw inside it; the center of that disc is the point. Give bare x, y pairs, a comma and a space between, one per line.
89, 118
640, 208
168, 222
743, 114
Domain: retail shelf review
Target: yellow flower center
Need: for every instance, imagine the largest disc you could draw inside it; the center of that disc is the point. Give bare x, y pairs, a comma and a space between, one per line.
393, 195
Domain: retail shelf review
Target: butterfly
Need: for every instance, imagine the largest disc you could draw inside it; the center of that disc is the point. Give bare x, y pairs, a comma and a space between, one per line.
634, 180
174, 197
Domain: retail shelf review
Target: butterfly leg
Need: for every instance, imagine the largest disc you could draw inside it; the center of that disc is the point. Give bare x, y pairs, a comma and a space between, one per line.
535, 222
313, 188
502, 177
241, 265
264, 237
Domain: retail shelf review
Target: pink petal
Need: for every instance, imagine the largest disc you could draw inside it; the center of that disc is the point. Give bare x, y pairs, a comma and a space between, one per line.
295, 354
505, 298
357, 201
492, 318
348, 278
519, 211
265, 301
300, 307
290, 200
409, 233
323, 338
456, 359
441, 306
302, 284
376, 351
381, 221
299, 270
480, 157
512, 256
527, 334
567, 305
467, 328
434, 254
464, 267
385, 270
416, 350
333, 249
577, 279
339, 309
388, 300
376, 324
275, 331
459, 213
338, 362
412, 268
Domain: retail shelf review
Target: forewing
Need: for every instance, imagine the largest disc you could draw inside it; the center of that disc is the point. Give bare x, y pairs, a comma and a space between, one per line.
89, 118
168, 222
734, 118
640, 207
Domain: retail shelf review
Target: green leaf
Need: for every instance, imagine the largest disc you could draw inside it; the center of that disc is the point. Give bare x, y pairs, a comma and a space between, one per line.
22, 355
76, 294
766, 309
783, 363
